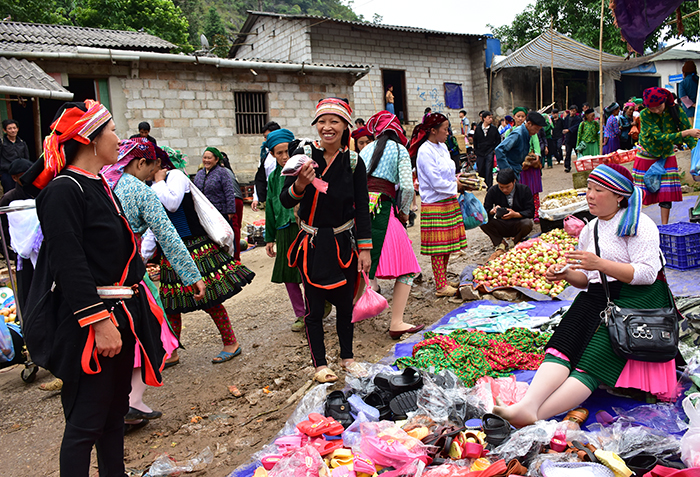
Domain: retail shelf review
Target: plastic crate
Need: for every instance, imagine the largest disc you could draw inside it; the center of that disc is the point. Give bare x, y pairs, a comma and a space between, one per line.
680, 244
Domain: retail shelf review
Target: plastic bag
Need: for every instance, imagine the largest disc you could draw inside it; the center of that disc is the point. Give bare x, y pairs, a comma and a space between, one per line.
473, 212
573, 225
388, 445
663, 417
627, 440
166, 465
509, 390
7, 350
370, 303
652, 177
444, 399
306, 462
217, 227
293, 166
25, 230
695, 162
690, 442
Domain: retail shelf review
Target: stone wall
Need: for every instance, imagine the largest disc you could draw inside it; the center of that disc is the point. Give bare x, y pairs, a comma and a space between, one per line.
191, 107
273, 38
428, 61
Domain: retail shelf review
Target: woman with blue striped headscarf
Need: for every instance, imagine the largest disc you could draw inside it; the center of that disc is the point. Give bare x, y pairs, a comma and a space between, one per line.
579, 356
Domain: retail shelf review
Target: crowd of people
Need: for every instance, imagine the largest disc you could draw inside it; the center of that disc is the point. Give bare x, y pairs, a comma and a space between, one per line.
106, 207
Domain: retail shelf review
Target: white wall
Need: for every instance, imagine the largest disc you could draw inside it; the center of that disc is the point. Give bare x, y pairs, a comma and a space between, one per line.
277, 39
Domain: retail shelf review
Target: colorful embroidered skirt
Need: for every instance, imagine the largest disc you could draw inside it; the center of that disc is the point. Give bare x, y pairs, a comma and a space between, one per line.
282, 272
222, 276
670, 190
441, 228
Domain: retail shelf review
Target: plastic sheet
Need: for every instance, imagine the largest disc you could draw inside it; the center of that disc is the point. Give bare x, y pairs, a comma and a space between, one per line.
540, 459
663, 417
690, 442
627, 440
363, 386
166, 465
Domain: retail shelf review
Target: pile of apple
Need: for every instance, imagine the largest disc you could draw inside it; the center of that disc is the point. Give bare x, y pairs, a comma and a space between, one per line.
526, 264
9, 313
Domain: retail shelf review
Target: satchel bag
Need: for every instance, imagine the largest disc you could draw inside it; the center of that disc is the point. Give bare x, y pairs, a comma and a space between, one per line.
214, 224
638, 334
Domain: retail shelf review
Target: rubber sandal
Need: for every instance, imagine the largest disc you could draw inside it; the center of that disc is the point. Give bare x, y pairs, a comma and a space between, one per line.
614, 462
376, 400
325, 447
516, 468
578, 415
447, 291
325, 375
171, 363
136, 414
338, 407
357, 405
404, 403
410, 379
224, 356
269, 461
340, 457
362, 463
496, 428
584, 453
315, 425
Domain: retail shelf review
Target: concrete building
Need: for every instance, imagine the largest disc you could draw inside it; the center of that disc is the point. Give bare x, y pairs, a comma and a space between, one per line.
191, 102
417, 62
665, 71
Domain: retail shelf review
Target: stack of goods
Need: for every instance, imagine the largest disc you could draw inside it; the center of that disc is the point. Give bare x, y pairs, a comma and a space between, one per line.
472, 180
256, 232
557, 205
434, 426
526, 264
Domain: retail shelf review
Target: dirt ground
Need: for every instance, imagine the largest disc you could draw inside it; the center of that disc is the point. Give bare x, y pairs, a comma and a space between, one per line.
198, 410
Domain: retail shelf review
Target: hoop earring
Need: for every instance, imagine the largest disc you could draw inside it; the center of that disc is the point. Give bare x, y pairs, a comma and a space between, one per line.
94, 147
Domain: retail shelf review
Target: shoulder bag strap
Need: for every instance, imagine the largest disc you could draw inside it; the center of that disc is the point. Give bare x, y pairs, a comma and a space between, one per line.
603, 278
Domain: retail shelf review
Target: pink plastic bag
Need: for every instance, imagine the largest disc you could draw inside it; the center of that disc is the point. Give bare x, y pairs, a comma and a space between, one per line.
370, 303
573, 225
306, 462
293, 166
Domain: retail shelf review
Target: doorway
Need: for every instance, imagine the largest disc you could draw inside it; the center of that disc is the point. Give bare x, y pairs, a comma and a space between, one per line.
397, 79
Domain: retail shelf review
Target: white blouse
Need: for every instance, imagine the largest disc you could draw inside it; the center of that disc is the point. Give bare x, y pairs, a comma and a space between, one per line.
641, 251
172, 190
436, 172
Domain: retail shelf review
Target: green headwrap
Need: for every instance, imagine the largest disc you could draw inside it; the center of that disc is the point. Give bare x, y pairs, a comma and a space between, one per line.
216, 153
518, 109
178, 159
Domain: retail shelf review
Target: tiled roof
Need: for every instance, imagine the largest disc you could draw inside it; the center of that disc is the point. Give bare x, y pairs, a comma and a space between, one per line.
16, 73
15, 36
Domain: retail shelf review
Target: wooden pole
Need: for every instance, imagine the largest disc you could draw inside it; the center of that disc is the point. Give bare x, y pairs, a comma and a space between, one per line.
566, 103
541, 81
37, 126
552, 68
600, 72
512, 102
491, 81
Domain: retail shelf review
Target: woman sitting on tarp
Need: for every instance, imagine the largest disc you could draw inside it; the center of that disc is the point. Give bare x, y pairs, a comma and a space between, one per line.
579, 356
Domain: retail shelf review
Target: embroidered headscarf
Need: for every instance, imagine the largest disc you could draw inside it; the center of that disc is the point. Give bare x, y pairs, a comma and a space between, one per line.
386, 121
360, 132
337, 106
216, 153
177, 158
73, 123
519, 109
129, 149
278, 136
422, 131
618, 179
656, 96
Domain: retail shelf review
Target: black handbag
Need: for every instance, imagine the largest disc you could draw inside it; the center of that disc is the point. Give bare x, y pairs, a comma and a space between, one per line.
642, 335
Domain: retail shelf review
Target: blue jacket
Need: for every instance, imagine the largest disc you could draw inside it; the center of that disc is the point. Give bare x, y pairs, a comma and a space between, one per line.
512, 150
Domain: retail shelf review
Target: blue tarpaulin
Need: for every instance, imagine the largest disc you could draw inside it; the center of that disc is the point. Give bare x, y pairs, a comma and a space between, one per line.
453, 96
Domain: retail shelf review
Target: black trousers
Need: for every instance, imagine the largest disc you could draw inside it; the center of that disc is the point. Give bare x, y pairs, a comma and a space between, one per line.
567, 160
484, 167
498, 229
94, 408
341, 298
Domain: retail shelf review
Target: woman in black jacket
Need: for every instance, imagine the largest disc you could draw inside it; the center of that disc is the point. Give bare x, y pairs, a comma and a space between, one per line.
486, 138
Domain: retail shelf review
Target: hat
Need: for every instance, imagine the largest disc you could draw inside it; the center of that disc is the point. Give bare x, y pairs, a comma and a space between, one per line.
360, 132
536, 118
612, 107
589, 111
177, 158
618, 179
19, 166
337, 106
278, 136
386, 121
519, 109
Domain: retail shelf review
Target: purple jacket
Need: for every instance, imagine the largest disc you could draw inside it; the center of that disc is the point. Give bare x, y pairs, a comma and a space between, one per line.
218, 187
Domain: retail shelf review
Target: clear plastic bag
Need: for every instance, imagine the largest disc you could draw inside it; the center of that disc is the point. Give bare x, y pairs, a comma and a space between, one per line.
663, 417
7, 350
509, 390
24, 228
166, 465
627, 440
444, 398
306, 462
365, 385
690, 442
370, 303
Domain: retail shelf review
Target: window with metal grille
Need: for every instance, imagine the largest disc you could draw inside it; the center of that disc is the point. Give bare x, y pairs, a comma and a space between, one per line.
251, 112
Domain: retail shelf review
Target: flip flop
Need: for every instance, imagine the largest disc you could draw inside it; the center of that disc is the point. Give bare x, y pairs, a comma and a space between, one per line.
172, 363
496, 428
410, 379
269, 461
224, 356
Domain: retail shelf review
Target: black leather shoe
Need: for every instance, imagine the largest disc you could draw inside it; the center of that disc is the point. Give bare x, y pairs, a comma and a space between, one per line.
135, 414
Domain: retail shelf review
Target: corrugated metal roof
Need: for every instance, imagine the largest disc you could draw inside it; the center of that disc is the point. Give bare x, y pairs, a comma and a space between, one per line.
554, 48
285, 62
15, 73
15, 36
676, 54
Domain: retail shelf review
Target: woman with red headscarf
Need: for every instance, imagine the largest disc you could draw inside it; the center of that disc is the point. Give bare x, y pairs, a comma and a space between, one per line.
90, 310
388, 166
335, 239
361, 137
663, 127
441, 227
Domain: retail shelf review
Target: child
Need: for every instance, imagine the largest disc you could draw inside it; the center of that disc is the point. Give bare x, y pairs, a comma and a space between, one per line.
281, 226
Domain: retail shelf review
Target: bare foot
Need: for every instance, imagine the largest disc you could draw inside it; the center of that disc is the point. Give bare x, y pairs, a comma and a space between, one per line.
516, 415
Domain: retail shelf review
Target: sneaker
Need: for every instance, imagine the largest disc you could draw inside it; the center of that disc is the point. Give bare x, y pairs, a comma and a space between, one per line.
568, 169
298, 325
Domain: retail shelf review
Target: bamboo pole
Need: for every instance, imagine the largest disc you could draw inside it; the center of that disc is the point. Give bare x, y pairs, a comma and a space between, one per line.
491, 81
552, 68
512, 101
600, 72
541, 86
566, 103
